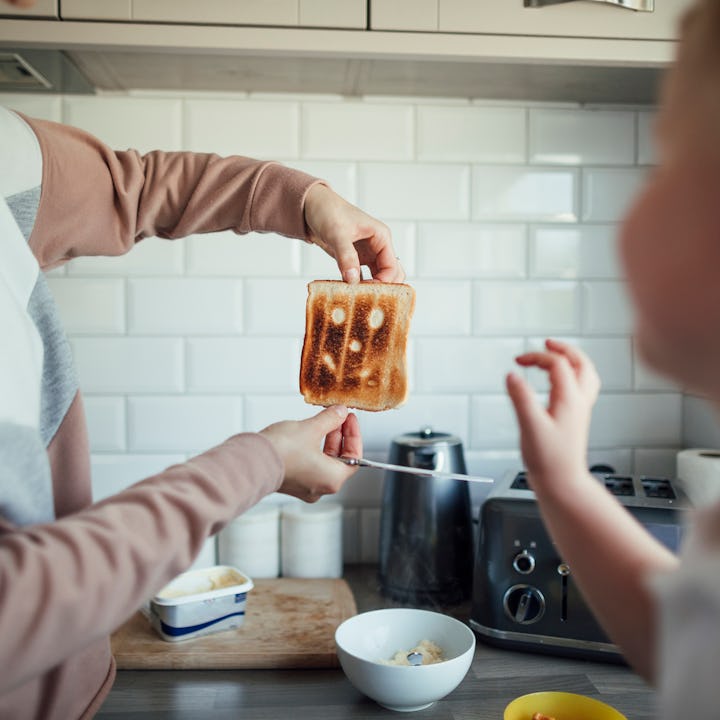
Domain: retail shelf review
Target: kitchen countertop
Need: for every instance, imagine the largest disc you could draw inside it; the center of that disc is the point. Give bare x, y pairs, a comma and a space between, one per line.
495, 677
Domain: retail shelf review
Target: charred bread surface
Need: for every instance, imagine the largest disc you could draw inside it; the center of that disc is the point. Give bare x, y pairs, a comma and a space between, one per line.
354, 351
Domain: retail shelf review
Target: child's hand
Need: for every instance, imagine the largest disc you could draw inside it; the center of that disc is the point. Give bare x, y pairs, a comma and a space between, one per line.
554, 439
311, 472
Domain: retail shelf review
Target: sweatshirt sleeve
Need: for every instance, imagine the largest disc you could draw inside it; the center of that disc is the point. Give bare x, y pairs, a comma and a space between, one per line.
76, 580
97, 201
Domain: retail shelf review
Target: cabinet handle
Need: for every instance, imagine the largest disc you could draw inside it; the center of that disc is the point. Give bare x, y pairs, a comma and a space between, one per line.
639, 5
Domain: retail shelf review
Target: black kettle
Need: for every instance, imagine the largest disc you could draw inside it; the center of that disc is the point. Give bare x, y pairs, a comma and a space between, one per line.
426, 536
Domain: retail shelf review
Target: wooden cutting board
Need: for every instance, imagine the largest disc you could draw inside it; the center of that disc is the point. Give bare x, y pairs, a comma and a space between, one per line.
289, 623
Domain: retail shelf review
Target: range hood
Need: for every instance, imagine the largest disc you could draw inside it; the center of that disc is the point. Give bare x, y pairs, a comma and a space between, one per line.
94, 56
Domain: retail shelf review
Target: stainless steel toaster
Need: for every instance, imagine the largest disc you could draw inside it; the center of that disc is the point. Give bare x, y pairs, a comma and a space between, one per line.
524, 596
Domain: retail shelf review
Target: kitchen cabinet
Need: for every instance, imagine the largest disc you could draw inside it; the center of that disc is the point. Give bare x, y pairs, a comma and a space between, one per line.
418, 15
41, 9
271, 13
580, 19
570, 19
583, 51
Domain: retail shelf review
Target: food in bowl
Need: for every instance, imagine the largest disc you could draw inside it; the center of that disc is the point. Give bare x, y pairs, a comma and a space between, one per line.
560, 706
429, 653
200, 602
363, 640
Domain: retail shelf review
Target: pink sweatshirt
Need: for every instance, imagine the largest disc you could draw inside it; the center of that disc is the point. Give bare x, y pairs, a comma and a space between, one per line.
68, 582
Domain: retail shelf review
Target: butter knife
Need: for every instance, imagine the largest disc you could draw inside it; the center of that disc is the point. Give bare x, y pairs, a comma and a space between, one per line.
364, 462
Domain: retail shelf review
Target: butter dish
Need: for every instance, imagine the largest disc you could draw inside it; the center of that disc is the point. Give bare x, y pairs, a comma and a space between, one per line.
200, 602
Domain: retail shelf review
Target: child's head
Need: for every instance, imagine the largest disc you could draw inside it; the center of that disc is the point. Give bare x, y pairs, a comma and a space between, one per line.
670, 240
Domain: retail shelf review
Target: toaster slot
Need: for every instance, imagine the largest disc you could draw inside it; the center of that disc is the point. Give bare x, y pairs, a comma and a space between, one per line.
619, 485
658, 488
520, 482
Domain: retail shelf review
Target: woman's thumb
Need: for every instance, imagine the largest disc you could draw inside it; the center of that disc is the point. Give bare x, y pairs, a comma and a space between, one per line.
330, 418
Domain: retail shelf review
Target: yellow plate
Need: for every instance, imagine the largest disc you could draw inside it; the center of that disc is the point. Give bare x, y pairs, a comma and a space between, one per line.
561, 706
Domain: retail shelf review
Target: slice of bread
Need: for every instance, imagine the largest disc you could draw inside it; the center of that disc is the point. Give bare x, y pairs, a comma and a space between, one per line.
355, 344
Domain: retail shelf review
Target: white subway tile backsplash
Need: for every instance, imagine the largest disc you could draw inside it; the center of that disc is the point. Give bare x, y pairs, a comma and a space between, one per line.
275, 307
471, 134
351, 535
241, 365
112, 473
581, 137
90, 306
504, 216
260, 129
656, 462
470, 250
612, 357
357, 130
444, 413
619, 459
494, 464
524, 193
124, 123
106, 423
35, 105
129, 365
573, 251
441, 308
415, 191
184, 307
608, 192
606, 308
187, 424
448, 365
701, 424
631, 420
369, 535
264, 410
227, 254
493, 424
525, 307
151, 256
647, 149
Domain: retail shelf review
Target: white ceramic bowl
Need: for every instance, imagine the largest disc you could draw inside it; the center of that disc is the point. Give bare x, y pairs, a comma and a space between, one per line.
366, 640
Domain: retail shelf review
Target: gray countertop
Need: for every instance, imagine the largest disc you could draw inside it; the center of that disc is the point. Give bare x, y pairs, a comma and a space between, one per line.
495, 677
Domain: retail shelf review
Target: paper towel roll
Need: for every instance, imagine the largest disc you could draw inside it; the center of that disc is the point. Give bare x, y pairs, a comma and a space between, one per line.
698, 471
251, 543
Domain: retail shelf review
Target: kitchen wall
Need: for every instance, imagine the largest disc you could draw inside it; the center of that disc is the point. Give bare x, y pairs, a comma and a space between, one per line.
504, 217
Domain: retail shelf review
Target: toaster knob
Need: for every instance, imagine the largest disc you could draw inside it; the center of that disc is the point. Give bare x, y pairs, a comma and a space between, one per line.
524, 604
524, 563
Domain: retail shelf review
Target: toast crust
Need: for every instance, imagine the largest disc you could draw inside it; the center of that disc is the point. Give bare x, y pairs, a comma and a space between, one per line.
355, 344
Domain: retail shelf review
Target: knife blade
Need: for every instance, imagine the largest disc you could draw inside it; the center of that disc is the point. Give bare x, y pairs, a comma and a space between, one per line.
364, 462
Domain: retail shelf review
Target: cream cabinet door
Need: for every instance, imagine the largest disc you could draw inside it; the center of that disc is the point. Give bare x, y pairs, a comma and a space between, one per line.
96, 9
292, 13
579, 18
418, 15
218, 12
41, 8
334, 13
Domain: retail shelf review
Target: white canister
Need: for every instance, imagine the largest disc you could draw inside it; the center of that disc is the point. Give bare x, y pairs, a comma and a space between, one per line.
311, 540
252, 542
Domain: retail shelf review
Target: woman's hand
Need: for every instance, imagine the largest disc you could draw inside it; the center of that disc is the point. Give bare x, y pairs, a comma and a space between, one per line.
350, 236
311, 472
554, 439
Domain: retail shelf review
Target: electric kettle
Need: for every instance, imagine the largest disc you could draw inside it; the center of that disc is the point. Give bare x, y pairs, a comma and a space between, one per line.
426, 536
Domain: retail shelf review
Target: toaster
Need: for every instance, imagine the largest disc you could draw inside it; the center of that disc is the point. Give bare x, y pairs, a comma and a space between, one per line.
524, 596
